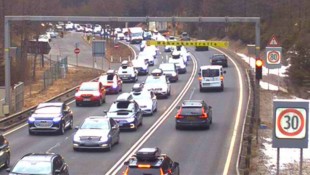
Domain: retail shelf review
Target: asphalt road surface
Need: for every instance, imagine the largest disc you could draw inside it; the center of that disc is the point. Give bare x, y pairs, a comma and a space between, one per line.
199, 152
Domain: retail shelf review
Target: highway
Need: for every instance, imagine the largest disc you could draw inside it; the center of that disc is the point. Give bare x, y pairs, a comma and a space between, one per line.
198, 151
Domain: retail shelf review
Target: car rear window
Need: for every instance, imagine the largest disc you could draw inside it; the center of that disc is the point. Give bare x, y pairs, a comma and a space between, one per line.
143, 171
210, 73
191, 111
218, 57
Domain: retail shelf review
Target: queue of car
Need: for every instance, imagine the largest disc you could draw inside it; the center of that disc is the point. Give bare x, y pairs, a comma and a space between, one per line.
125, 113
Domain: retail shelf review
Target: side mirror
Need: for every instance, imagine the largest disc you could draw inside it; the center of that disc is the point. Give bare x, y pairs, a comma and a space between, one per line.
32, 111
175, 164
77, 89
126, 162
224, 71
77, 128
210, 107
105, 111
8, 170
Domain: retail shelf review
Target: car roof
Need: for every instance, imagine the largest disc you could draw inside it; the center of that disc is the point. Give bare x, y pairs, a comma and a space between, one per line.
192, 103
46, 157
51, 104
91, 82
211, 67
124, 97
97, 118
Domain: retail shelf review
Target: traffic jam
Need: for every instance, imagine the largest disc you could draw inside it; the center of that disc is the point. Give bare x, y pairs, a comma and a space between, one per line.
151, 78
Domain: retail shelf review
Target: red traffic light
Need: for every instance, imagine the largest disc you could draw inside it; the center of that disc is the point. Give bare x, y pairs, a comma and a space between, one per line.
259, 63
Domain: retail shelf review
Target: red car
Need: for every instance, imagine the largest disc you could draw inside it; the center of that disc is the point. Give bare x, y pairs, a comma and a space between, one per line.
90, 93
111, 82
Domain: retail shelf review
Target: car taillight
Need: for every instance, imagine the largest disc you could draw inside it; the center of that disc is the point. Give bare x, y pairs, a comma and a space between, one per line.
204, 116
178, 116
222, 77
199, 78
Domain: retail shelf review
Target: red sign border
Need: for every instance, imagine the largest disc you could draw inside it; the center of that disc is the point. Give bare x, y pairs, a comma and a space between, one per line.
273, 62
76, 50
281, 115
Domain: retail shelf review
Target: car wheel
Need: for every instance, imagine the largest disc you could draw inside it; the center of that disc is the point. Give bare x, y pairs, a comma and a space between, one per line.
71, 123
30, 132
7, 161
103, 100
211, 121
62, 128
118, 138
99, 102
77, 104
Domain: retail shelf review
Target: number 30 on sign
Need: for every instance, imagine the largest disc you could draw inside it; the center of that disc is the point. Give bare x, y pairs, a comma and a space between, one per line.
290, 123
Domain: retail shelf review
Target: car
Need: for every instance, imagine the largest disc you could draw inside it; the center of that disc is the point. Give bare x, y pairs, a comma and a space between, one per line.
211, 77
151, 161
179, 62
97, 29
137, 87
120, 36
141, 66
96, 132
159, 84
146, 100
52, 33
69, 26
219, 59
5, 152
183, 53
127, 72
79, 28
201, 48
88, 28
90, 93
193, 113
147, 57
111, 82
147, 35
40, 163
44, 38
142, 45
50, 117
185, 36
170, 48
170, 70
126, 112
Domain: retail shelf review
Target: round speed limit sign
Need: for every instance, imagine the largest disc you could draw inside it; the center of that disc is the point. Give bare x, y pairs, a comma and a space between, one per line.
273, 57
290, 123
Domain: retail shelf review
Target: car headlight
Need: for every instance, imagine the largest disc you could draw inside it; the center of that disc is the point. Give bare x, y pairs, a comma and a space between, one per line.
31, 119
56, 119
174, 74
130, 120
105, 138
76, 138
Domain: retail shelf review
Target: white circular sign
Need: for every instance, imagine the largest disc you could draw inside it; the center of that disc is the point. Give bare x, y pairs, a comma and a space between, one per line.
290, 123
273, 57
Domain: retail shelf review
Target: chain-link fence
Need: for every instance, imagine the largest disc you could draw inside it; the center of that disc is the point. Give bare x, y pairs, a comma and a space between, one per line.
57, 70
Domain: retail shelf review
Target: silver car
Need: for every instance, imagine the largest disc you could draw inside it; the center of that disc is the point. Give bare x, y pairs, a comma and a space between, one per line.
146, 100
96, 132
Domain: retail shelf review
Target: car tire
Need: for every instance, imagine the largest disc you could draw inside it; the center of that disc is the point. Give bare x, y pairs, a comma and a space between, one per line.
30, 132
211, 121
71, 124
7, 161
62, 129
103, 100
99, 102
77, 104
118, 138
207, 127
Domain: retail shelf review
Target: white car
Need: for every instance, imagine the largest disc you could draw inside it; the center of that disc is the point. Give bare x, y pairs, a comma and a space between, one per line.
51, 33
159, 84
69, 26
183, 52
146, 57
97, 29
88, 28
141, 66
79, 28
170, 48
120, 36
146, 100
179, 62
127, 73
96, 132
44, 38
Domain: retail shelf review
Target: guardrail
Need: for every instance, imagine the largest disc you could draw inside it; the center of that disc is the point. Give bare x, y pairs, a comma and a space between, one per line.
20, 117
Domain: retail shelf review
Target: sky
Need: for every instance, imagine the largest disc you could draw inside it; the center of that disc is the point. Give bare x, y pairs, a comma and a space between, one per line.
287, 155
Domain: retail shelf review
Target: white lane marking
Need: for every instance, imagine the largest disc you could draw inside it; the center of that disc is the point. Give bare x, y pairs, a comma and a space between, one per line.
190, 97
118, 165
57, 144
238, 115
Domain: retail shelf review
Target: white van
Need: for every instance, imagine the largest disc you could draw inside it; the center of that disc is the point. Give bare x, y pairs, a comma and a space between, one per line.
211, 77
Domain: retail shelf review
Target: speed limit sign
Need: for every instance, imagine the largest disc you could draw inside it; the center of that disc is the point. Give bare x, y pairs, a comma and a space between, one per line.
290, 121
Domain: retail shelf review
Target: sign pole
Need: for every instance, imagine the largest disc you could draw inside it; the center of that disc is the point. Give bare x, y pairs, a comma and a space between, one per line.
267, 82
278, 160
278, 79
77, 59
300, 161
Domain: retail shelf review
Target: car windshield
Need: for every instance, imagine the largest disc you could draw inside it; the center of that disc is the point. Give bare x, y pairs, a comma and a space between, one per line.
95, 124
48, 110
88, 87
210, 72
154, 80
32, 167
143, 171
191, 111
136, 34
106, 79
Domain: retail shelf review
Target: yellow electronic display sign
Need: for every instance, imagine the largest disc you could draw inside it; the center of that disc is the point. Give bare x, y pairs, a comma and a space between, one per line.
189, 43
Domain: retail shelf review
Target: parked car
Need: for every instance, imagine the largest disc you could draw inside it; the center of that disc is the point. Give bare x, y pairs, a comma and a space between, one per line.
96, 132
90, 93
40, 164
5, 152
50, 117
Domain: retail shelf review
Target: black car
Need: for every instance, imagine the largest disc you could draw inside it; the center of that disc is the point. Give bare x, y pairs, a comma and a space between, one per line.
126, 112
193, 113
170, 70
51, 117
40, 163
151, 161
5, 152
219, 59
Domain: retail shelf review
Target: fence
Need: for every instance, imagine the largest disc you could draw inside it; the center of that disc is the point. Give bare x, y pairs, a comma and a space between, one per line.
57, 70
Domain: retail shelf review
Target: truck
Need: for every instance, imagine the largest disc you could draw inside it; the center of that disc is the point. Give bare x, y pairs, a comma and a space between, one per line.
135, 35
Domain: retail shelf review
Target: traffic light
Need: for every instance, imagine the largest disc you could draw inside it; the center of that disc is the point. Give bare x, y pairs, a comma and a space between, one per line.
259, 68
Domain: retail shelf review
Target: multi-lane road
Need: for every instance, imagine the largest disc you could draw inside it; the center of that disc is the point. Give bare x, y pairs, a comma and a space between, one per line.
199, 152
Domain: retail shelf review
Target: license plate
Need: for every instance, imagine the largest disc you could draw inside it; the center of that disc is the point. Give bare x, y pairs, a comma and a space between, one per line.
191, 118
86, 99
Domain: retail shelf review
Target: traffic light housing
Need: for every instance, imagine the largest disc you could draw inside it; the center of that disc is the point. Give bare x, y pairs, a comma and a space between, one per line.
259, 69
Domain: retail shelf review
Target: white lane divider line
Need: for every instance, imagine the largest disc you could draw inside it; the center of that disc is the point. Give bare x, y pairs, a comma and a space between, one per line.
118, 165
57, 144
191, 96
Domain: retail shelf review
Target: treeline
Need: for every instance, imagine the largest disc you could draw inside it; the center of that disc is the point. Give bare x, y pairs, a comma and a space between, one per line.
289, 20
